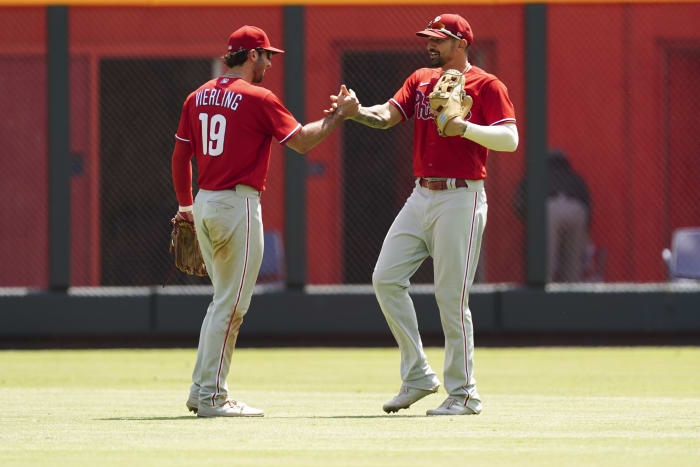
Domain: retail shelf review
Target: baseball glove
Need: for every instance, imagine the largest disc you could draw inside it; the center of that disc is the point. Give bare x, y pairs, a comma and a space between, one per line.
185, 247
448, 99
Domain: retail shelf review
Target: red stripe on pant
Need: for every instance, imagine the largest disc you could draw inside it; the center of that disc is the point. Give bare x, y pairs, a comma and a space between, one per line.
464, 290
238, 298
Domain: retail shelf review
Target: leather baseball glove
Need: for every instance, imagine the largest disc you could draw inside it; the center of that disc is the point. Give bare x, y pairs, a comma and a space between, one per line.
448, 99
185, 248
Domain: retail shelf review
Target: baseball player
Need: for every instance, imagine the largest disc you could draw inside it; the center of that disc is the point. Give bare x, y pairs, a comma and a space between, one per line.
445, 215
228, 124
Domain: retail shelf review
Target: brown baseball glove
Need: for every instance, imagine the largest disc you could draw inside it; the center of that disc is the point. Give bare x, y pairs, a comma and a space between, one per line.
185, 248
448, 99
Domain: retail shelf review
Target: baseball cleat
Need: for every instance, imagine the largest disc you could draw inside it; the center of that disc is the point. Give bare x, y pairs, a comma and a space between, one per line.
406, 397
452, 406
192, 404
230, 409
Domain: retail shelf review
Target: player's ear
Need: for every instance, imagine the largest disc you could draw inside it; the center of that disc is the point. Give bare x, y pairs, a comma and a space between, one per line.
253, 55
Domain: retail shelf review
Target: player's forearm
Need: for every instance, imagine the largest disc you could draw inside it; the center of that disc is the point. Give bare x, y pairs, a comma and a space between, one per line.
182, 173
374, 117
313, 133
498, 137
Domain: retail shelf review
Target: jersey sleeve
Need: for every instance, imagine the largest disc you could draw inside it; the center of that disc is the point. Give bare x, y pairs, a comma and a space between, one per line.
280, 121
404, 99
184, 133
496, 104
182, 172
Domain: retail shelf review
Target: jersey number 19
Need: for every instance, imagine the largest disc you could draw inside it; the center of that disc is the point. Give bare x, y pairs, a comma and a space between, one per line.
212, 134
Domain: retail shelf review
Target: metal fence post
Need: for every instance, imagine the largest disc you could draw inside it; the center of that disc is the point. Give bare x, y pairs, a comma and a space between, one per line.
294, 164
536, 142
59, 162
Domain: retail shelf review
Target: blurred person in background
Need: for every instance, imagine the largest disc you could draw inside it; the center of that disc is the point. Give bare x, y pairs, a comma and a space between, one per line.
568, 218
228, 124
445, 215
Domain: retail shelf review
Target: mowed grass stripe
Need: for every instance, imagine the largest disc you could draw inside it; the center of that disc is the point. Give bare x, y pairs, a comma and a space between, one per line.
118, 407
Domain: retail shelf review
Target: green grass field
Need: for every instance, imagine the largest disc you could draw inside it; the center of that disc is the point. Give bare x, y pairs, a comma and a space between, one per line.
542, 406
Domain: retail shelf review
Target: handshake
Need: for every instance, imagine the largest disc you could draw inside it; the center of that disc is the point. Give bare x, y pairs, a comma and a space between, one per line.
345, 103
449, 105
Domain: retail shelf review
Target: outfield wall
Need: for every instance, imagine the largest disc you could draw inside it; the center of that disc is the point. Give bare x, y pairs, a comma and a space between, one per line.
619, 100
621, 80
323, 312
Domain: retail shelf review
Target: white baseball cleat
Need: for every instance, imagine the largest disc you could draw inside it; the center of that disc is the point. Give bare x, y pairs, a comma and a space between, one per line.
452, 406
230, 409
406, 397
192, 404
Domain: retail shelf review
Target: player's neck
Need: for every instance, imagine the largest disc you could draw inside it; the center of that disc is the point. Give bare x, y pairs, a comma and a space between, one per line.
239, 72
462, 65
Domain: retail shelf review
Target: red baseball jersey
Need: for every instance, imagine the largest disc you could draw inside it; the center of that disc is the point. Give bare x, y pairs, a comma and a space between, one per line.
454, 156
229, 124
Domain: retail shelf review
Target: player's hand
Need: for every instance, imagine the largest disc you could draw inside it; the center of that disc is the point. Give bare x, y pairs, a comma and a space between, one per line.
455, 127
343, 95
334, 104
184, 216
347, 103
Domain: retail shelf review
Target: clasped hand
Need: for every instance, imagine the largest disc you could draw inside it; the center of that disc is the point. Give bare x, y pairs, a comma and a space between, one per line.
454, 127
345, 103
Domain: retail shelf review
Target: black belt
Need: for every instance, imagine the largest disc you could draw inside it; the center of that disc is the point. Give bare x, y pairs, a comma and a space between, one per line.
441, 184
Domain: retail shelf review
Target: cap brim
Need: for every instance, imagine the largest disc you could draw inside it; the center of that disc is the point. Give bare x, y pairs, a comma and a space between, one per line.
274, 50
432, 33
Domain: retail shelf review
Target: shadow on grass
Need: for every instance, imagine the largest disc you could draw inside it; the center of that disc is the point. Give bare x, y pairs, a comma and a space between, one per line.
192, 417
142, 419
351, 416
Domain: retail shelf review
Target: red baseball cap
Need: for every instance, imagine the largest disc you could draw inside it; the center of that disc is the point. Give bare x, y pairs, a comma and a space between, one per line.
250, 37
448, 25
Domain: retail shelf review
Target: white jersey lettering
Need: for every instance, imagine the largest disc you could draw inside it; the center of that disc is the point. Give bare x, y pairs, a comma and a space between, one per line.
236, 100
217, 97
228, 97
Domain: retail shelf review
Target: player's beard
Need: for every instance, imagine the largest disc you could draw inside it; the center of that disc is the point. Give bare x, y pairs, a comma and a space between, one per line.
259, 71
258, 75
437, 62
442, 58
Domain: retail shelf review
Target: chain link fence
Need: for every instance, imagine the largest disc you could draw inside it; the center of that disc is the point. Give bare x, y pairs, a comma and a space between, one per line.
24, 179
621, 97
620, 80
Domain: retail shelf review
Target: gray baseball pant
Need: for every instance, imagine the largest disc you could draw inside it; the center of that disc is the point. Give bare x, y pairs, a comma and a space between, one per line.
447, 225
230, 233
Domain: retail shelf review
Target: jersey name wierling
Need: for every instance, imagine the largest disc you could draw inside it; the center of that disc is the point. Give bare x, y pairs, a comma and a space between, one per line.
227, 99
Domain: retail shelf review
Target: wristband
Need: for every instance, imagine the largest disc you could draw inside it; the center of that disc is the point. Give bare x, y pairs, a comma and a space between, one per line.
185, 208
466, 128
